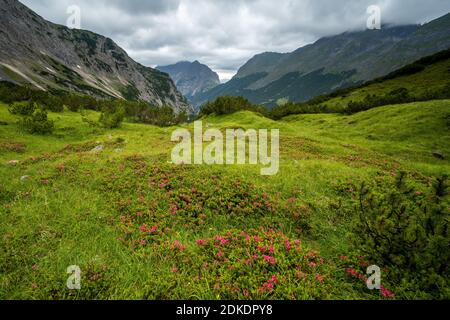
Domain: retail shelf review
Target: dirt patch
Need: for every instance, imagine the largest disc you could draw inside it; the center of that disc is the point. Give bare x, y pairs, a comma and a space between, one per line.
13, 147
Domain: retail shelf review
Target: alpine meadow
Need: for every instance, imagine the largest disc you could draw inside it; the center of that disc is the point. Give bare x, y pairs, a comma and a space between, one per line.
352, 129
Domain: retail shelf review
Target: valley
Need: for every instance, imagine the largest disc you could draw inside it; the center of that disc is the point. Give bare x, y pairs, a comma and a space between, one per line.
317, 174
96, 209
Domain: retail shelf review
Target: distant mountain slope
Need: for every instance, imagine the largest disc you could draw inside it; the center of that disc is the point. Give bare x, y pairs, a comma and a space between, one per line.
333, 62
264, 62
53, 57
191, 78
422, 78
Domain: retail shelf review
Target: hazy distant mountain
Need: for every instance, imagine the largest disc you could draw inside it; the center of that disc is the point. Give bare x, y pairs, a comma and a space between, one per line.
332, 62
50, 56
191, 78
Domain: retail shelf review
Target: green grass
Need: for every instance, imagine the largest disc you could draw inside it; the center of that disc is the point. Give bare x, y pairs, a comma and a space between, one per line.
87, 209
434, 76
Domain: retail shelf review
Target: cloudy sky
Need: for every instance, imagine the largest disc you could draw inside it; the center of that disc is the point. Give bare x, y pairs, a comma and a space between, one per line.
224, 34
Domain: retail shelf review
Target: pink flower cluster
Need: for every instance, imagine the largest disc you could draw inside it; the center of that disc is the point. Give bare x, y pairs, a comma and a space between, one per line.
177, 245
173, 210
288, 245
145, 229
354, 273
320, 278
257, 239
221, 240
269, 259
269, 285
270, 249
201, 242
386, 293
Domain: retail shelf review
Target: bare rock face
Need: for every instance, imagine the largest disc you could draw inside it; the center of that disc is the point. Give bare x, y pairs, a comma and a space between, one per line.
49, 56
191, 78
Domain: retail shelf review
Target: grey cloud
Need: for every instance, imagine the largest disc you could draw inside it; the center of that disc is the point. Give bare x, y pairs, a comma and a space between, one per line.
226, 33
145, 7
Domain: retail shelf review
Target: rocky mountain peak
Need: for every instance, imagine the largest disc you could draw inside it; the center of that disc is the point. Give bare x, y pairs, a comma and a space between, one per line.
191, 78
54, 57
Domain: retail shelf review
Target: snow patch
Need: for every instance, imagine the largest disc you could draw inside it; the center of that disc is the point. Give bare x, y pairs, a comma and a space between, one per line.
51, 70
23, 75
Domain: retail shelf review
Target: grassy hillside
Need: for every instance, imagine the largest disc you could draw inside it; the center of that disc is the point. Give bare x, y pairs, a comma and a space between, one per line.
433, 77
424, 80
142, 228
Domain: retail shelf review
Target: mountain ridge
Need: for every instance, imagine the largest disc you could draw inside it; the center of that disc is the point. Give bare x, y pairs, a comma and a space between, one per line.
191, 78
333, 62
54, 57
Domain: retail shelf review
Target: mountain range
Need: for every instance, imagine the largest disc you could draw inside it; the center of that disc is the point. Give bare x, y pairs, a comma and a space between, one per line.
332, 63
191, 78
53, 57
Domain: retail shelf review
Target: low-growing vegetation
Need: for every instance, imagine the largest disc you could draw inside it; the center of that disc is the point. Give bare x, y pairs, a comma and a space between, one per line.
407, 229
33, 118
228, 105
361, 185
113, 112
108, 201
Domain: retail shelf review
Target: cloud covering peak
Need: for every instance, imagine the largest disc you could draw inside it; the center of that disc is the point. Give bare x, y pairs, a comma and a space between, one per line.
224, 34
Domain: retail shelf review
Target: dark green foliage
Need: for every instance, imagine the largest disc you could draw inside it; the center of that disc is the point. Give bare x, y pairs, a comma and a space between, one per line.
410, 69
397, 96
112, 116
130, 93
371, 101
63, 69
159, 116
119, 56
22, 108
406, 71
109, 45
296, 108
10, 92
103, 66
113, 111
38, 123
77, 102
229, 105
89, 38
406, 231
159, 80
51, 103
33, 118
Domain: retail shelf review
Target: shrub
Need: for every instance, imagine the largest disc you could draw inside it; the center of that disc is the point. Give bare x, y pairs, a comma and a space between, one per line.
37, 123
51, 103
160, 116
10, 92
228, 105
407, 232
112, 117
22, 108
33, 118
397, 96
405, 71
